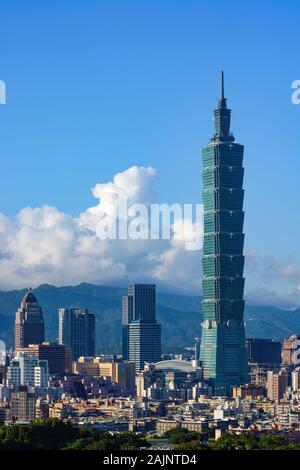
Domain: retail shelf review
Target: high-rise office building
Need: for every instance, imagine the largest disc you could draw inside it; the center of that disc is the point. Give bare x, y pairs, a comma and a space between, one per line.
29, 323
264, 351
291, 351
223, 350
141, 340
277, 383
76, 330
28, 370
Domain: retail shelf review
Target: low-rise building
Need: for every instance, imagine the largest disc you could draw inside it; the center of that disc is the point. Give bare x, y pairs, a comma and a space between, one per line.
121, 373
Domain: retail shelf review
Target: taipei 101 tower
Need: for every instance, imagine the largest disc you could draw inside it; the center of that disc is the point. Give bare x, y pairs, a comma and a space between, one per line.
223, 344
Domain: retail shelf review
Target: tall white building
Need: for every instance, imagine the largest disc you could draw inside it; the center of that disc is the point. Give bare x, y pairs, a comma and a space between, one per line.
27, 370
296, 379
41, 375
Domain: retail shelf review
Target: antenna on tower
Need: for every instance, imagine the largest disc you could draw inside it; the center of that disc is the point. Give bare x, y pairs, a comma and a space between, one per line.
222, 82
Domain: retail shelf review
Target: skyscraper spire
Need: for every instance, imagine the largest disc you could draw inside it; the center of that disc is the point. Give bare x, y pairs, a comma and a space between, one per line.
222, 101
222, 118
222, 79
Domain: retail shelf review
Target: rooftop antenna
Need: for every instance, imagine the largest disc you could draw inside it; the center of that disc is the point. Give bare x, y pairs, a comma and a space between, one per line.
222, 81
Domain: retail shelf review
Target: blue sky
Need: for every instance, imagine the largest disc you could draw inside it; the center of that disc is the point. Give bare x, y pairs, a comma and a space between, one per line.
95, 87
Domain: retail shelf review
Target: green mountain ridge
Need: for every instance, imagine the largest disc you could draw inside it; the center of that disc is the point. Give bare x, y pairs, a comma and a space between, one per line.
180, 315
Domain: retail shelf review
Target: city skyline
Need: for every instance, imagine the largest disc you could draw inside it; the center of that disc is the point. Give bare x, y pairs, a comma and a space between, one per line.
136, 124
149, 231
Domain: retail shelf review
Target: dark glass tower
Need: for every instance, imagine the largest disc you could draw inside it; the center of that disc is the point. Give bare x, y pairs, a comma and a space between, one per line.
141, 341
76, 330
223, 345
29, 322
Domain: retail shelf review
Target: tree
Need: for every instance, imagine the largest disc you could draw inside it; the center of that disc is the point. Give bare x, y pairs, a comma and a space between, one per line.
181, 435
272, 442
191, 445
244, 441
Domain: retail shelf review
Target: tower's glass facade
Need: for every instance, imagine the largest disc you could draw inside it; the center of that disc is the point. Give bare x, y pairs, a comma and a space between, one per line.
29, 323
141, 340
223, 345
76, 330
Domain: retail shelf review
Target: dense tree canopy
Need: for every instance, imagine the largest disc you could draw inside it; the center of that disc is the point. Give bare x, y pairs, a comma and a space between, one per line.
53, 434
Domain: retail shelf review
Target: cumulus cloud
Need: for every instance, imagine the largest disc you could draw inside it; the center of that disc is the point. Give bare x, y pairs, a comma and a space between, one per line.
134, 184
45, 245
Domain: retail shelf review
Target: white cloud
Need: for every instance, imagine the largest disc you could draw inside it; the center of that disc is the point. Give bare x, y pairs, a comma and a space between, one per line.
135, 184
45, 245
